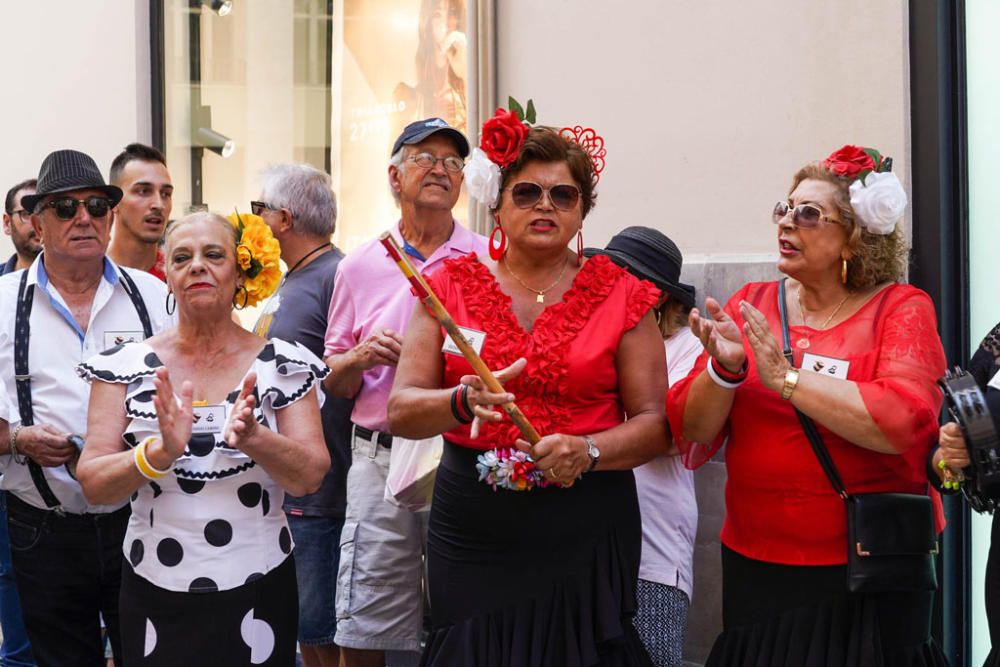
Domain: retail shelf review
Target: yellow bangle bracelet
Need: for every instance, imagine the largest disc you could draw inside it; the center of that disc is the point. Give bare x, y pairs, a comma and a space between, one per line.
145, 468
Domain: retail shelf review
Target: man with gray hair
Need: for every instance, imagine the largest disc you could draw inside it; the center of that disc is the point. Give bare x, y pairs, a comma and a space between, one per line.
298, 205
379, 597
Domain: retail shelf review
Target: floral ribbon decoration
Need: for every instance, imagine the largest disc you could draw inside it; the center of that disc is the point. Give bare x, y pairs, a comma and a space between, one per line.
877, 196
257, 253
511, 469
500, 144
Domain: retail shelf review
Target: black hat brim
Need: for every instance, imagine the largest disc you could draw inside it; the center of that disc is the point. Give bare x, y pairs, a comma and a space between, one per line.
685, 294
114, 193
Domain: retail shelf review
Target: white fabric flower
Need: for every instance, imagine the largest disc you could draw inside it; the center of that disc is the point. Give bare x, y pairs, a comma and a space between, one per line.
879, 202
482, 178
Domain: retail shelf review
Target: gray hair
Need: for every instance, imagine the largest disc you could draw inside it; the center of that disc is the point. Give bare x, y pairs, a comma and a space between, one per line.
306, 192
398, 160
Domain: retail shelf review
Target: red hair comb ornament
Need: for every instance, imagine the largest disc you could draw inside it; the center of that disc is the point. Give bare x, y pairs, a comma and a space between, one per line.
592, 143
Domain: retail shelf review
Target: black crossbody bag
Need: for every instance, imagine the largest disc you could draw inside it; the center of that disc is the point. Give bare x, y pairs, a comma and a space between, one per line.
891, 540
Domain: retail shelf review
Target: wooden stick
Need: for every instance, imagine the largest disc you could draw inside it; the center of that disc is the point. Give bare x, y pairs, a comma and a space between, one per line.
426, 294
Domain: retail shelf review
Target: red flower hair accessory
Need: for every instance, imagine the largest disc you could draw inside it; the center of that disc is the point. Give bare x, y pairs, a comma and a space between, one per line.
856, 162
877, 197
502, 137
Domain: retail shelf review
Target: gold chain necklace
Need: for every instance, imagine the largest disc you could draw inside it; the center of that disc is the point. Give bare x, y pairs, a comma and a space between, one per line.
539, 294
802, 311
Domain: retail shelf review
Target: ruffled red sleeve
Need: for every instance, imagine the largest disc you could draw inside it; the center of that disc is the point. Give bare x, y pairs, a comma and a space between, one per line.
642, 296
695, 454
903, 398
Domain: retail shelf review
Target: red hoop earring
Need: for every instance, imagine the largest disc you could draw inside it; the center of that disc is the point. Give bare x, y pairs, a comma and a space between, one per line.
497, 249
579, 247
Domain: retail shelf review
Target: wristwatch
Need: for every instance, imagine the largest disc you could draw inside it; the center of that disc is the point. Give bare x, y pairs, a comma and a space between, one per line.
592, 451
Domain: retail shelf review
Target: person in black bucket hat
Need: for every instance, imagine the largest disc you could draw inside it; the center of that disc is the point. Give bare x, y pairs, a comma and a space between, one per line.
664, 485
70, 304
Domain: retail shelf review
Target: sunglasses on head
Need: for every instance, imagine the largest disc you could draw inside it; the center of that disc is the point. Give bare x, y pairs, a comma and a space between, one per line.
65, 207
526, 194
806, 216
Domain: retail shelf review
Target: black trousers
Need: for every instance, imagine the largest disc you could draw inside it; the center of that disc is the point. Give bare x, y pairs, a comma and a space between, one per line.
68, 570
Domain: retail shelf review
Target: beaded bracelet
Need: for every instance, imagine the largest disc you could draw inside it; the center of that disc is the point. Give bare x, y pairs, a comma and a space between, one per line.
146, 469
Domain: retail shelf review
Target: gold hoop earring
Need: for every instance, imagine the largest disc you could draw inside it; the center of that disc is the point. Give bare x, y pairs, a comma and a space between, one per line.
246, 298
843, 271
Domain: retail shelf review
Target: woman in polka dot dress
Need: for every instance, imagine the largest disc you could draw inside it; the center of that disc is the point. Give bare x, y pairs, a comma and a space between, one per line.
209, 578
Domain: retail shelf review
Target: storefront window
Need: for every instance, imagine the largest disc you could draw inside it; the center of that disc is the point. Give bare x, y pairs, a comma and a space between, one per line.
330, 83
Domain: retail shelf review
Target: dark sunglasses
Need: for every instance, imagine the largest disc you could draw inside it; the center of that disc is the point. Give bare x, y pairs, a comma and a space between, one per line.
806, 216
527, 194
258, 207
65, 207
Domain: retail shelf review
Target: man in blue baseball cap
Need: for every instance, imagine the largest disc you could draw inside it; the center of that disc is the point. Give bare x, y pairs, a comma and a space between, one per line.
379, 595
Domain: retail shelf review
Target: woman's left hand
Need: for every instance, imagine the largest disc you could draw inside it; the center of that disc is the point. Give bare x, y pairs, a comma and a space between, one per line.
768, 357
562, 458
242, 424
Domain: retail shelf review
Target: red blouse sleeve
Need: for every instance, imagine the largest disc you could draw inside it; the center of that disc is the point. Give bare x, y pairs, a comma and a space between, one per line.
642, 296
903, 398
694, 454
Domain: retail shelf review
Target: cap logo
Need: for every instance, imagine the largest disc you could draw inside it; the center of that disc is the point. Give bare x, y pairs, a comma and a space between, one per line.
437, 122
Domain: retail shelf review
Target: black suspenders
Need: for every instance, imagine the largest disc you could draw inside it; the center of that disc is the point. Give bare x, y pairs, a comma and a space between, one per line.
22, 378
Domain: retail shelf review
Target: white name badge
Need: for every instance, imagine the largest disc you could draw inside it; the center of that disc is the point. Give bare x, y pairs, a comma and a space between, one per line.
994, 381
209, 418
472, 337
825, 365
112, 338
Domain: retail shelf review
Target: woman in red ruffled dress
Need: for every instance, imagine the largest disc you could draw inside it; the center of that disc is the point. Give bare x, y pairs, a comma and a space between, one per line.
866, 356
533, 551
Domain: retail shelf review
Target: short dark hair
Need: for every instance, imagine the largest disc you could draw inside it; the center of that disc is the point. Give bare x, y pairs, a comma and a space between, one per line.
8, 204
546, 144
134, 151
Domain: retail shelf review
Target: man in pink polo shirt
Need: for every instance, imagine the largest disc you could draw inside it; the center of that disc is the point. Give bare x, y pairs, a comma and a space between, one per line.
379, 597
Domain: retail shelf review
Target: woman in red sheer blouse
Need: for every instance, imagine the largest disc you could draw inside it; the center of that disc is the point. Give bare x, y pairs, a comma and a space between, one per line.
534, 561
866, 356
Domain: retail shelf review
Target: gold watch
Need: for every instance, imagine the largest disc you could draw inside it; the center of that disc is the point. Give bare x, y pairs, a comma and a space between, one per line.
791, 381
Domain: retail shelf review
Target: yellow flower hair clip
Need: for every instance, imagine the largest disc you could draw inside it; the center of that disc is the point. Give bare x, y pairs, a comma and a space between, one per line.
258, 254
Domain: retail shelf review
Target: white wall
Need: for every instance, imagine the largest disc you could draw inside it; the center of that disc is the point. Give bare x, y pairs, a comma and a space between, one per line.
708, 108
76, 75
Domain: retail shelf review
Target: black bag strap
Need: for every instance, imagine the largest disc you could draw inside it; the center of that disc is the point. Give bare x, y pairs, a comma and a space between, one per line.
812, 434
22, 376
140, 306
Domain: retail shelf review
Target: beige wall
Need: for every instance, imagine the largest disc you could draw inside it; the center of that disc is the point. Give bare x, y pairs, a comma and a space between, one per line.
76, 75
708, 108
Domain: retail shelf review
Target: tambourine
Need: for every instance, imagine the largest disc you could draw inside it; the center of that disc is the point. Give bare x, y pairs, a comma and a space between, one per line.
967, 406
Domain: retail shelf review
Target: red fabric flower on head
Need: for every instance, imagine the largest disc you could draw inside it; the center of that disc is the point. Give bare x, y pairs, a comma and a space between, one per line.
849, 161
502, 137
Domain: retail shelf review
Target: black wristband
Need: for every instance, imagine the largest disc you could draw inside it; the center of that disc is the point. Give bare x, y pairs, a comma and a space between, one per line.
459, 417
465, 402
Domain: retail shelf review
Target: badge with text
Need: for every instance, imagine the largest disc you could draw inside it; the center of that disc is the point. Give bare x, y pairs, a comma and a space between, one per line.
209, 418
472, 337
825, 365
113, 338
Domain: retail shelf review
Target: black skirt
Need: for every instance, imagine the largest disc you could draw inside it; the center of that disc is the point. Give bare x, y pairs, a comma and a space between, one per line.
255, 623
803, 616
532, 578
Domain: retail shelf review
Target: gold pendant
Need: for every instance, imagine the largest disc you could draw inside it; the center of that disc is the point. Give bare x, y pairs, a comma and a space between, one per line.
540, 298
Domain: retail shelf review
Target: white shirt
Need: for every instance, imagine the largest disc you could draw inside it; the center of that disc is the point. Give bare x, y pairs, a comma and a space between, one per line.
666, 493
59, 396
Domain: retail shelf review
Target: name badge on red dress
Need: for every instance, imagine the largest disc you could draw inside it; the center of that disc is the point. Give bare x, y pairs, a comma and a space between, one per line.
825, 365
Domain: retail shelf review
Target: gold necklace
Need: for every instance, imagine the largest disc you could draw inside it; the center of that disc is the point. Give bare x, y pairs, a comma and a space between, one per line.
539, 294
802, 311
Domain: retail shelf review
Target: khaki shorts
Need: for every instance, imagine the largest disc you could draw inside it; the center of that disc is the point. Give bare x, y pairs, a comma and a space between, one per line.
380, 580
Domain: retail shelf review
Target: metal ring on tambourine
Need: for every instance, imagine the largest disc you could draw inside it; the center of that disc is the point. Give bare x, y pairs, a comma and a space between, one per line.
967, 406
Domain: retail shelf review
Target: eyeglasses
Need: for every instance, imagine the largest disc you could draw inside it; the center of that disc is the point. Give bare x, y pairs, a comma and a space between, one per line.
24, 215
526, 194
258, 207
65, 208
806, 216
427, 161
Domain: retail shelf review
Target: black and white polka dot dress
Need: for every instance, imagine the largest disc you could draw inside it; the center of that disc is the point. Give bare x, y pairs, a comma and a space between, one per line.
213, 527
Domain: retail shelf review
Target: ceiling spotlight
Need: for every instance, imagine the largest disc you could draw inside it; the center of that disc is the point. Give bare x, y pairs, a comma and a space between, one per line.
220, 7
215, 141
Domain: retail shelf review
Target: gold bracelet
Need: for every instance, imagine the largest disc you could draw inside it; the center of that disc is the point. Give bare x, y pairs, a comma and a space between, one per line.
791, 381
146, 468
